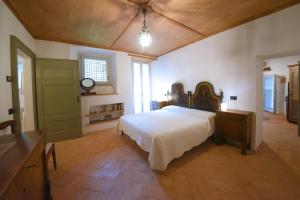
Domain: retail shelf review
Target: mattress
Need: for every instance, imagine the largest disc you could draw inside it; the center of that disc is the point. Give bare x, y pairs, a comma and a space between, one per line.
167, 133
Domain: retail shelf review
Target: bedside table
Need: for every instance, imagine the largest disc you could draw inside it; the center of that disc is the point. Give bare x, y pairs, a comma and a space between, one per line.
235, 125
158, 104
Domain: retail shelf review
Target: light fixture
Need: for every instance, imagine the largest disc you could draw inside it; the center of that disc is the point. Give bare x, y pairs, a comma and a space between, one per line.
168, 94
145, 36
223, 106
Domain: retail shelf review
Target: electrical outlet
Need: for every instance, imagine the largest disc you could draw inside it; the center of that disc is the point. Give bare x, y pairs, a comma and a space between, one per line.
11, 111
233, 98
8, 78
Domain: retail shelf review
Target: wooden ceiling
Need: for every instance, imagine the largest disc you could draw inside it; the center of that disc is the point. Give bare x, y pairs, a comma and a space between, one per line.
115, 24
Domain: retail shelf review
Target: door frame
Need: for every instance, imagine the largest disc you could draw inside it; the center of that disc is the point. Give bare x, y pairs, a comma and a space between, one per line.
15, 44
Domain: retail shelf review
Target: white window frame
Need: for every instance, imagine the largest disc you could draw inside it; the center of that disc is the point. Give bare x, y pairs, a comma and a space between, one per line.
141, 62
98, 57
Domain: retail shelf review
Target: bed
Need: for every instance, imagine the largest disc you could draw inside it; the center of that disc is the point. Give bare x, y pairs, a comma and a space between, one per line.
169, 132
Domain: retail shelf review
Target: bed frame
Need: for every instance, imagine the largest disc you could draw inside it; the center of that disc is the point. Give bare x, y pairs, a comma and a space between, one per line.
178, 97
204, 97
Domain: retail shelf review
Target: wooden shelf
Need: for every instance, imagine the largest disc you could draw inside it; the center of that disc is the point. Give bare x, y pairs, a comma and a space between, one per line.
102, 121
95, 114
104, 113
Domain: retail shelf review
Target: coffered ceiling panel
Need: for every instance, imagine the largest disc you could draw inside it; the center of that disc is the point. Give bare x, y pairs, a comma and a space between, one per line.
115, 24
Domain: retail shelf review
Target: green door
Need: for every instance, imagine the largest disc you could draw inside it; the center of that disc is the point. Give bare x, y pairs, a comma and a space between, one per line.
58, 100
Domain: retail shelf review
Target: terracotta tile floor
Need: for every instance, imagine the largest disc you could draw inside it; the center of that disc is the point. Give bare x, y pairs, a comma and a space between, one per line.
104, 165
282, 137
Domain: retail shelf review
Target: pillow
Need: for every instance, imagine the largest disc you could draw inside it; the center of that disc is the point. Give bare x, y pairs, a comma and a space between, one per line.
191, 112
200, 114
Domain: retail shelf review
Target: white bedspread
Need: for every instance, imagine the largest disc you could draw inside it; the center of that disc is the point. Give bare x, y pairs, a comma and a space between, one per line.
167, 133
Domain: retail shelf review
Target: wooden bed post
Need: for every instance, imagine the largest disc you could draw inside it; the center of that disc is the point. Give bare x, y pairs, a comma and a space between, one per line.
189, 99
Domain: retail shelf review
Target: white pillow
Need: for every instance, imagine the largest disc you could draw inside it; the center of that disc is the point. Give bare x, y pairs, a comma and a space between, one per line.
191, 112
200, 114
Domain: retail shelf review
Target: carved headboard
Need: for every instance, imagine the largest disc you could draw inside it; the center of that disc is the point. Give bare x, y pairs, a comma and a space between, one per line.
178, 96
205, 97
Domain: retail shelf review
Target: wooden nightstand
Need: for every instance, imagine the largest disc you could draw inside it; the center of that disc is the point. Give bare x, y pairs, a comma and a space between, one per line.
235, 125
158, 104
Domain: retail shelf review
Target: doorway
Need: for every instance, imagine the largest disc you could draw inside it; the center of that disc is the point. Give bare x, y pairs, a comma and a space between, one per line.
278, 132
25, 91
277, 91
274, 94
141, 86
23, 86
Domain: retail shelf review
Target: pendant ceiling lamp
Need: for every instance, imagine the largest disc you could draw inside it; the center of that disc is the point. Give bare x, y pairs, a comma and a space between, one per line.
145, 36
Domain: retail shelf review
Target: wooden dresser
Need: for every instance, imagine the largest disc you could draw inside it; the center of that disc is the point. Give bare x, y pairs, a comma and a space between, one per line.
235, 125
23, 167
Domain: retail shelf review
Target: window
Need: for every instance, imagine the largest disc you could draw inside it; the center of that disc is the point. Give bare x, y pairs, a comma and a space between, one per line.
141, 86
96, 68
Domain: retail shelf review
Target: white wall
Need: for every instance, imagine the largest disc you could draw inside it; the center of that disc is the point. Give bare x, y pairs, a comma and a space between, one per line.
279, 67
123, 75
232, 60
9, 26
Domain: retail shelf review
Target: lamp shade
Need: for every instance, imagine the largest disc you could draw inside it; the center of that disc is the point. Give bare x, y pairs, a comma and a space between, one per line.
223, 106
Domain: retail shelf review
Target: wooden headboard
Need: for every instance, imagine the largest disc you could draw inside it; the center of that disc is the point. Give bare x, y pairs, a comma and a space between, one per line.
205, 97
177, 95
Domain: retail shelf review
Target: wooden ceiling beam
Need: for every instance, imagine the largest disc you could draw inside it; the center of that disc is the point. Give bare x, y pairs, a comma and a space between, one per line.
177, 23
120, 35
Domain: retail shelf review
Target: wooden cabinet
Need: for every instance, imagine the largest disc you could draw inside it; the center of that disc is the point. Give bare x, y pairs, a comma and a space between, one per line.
25, 173
158, 104
234, 125
293, 94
